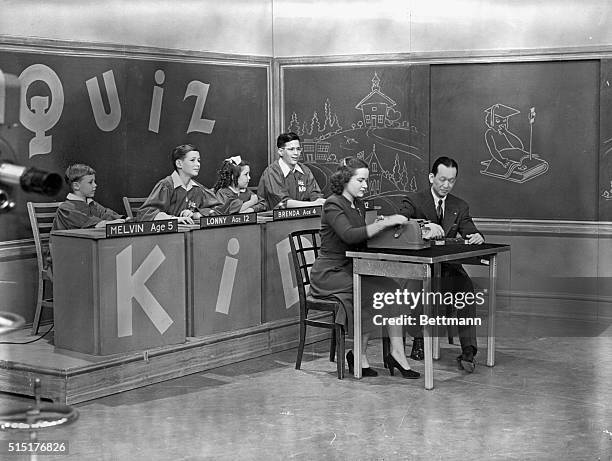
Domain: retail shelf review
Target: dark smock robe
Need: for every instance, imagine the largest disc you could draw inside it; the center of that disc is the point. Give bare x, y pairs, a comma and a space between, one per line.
226, 195
276, 188
78, 214
166, 197
343, 229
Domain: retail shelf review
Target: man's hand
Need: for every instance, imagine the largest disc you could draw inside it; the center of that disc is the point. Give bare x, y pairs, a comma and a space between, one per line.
475, 239
433, 231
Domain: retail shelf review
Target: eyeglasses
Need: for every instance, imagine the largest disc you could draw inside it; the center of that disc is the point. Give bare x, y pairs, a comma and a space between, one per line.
293, 149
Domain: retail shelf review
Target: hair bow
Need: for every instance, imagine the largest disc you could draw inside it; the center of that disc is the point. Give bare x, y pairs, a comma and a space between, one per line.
236, 160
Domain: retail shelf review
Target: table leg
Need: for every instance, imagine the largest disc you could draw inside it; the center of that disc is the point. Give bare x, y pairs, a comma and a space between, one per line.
436, 328
428, 311
357, 322
492, 301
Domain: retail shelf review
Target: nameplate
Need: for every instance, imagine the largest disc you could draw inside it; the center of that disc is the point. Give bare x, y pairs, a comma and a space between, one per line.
450, 241
294, 213
228, 220
163, 226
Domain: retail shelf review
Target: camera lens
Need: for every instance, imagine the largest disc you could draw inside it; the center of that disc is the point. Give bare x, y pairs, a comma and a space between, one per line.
41, 182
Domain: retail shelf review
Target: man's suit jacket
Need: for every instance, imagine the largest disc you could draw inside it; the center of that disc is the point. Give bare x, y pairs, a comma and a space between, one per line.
457, 217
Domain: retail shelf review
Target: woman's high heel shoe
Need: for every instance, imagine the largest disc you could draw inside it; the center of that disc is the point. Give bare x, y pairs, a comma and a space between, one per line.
365, 372
409, 374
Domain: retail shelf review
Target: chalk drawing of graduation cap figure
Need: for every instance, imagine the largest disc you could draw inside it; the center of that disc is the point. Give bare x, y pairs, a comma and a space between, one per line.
607, 194
509, 159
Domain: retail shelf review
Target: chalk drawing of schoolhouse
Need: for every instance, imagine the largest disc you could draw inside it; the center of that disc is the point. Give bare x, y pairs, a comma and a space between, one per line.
377, 108
372, 129
509, 159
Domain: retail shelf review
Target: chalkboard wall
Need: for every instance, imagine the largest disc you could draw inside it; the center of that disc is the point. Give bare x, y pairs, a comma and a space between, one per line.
525, 136
376, 112
605, 149
123, 115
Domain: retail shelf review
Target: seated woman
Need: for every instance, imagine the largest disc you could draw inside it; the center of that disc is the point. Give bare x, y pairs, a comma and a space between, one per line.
233, 180
343, 228
178, 195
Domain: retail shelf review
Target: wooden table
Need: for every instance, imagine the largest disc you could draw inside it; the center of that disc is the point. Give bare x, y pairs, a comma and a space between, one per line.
423, 265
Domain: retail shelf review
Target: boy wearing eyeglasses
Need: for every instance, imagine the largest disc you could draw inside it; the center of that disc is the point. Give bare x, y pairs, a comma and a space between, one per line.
287, 183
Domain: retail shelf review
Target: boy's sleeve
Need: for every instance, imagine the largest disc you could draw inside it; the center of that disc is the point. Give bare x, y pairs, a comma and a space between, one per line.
260, 205
213, 204
105, 214
312, 186
233, 204
272, 189
69, 217
157, 201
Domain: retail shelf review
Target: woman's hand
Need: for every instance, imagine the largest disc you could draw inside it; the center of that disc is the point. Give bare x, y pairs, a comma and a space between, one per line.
393, 220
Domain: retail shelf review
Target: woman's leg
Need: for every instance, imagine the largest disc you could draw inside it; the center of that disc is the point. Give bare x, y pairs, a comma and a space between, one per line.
397, 345
364, 347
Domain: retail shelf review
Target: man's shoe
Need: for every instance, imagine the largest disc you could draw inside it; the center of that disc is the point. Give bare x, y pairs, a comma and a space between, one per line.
466, 360
417, 352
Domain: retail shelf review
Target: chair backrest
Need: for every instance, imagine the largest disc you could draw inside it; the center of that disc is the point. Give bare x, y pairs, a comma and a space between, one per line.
305, 245
131, 204
41, 219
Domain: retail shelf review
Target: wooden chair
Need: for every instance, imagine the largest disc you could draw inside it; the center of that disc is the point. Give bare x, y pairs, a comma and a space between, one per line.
41, 219
131, 204
305, 246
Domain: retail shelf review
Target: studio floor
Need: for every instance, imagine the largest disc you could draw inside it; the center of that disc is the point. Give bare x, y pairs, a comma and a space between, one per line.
547, 398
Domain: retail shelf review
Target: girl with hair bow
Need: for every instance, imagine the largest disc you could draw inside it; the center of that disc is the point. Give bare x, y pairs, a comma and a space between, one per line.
233, 180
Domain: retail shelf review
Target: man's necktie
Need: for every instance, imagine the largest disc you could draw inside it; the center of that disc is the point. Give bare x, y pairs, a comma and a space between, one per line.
439, 212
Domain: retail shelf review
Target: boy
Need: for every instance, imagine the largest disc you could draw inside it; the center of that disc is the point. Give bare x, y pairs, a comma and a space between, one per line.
287, 183
80, 211
180, 196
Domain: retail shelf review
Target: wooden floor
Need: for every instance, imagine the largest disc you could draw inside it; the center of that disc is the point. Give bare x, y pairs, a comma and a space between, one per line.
547, 398
69, 377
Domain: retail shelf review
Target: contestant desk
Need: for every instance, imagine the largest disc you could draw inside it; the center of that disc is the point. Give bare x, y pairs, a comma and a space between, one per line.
114, 295
135, 292
280, 293
224, 278
423, 265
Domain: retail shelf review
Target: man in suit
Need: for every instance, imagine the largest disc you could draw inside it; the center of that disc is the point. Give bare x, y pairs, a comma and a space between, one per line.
449, 215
